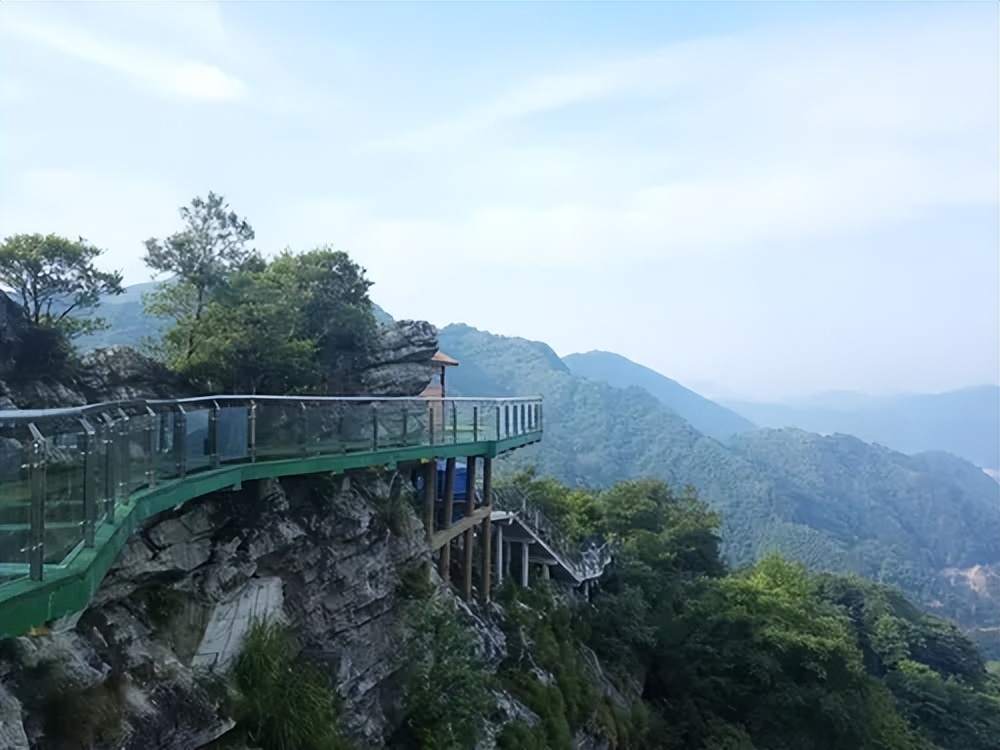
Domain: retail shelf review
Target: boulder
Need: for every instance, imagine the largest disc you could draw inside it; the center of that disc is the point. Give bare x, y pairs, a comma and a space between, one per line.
12, 326
400, 361
120, 373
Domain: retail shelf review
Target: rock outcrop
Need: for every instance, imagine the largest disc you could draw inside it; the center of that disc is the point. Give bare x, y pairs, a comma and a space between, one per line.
11, 332
317, 553
400, 362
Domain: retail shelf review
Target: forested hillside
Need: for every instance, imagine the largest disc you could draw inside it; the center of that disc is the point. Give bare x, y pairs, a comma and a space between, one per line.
833, 503
763, 657
706, 416
965, 422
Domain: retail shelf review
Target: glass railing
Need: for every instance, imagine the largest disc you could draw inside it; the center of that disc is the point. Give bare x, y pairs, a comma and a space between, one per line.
64, 472
586, 560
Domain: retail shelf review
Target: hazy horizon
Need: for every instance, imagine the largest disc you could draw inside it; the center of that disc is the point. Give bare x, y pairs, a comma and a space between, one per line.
769, 199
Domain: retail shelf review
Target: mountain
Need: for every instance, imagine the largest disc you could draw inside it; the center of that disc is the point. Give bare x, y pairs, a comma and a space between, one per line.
965, 422
706, 416
833, 502
129, 323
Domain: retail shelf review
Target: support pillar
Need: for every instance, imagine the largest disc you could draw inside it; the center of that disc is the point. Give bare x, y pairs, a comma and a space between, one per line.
430, 488
546, 572
467, 566
524, 564
444, 559
506, 559
487, 534
499, 554
470, 485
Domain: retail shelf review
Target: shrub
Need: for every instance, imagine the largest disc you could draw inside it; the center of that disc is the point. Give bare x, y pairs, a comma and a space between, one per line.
280, 702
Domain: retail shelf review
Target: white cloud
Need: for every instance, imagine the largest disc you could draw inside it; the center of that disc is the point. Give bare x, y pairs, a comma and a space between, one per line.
163, 73
112, 211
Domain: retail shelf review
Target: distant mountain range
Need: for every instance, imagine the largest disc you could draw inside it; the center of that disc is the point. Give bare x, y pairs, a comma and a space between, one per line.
965, 422
706, 416
834, 502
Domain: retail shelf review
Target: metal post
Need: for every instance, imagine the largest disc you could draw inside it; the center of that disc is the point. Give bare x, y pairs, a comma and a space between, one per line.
475, 424
498, 423
89, 482
36, 548
430, 421
123, 461
252, 431
180, 441
374, 428
109, 466
444, 561
454, 423
506, 420
405, 425
523, 429
150, 447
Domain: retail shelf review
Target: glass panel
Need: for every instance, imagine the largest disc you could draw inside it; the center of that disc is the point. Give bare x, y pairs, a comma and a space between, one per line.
64, 487
281, 429
196, 450
15, 501
232, 433
165, 463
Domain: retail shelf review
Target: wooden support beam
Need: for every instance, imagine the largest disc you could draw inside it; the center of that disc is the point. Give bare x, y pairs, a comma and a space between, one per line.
499, 554
467, 567
470, 484
524, 564
444, 561
430, 489
487, 532
441, 538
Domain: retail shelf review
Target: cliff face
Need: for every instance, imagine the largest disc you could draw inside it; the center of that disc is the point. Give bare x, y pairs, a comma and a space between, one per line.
326, 556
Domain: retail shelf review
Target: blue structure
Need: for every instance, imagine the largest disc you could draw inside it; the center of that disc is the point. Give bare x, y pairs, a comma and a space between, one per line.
459, 496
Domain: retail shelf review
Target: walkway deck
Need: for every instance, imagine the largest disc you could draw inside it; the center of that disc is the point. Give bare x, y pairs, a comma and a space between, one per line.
75, 483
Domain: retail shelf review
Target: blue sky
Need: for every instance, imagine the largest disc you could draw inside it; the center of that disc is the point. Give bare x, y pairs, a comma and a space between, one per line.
757, 199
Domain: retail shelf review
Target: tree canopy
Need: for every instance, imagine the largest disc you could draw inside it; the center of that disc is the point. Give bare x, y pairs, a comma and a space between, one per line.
55, 279
200, 259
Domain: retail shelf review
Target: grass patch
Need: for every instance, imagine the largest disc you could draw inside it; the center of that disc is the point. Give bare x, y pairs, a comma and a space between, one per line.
279, 701
447, 688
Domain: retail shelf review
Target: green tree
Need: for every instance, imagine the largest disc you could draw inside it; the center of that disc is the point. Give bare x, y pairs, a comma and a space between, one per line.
201, 258
336, 312
54, 277
299, 323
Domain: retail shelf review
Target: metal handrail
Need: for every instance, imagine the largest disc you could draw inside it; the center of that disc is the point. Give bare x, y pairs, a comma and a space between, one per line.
63, 472
588, 560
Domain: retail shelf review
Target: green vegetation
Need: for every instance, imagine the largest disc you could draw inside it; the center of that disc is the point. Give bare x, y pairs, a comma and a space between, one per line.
832, 503
301, 322
446, 686
278, 700
704, 415
53, 278
57, 286
766, 656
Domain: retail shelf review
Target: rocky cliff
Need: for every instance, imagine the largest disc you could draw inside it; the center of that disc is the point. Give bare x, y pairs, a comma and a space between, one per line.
322, 554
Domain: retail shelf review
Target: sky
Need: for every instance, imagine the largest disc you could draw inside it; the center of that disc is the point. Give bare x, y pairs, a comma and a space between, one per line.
758, 199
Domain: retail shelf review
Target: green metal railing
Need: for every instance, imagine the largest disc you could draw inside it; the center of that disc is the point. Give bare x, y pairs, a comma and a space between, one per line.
65, 473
